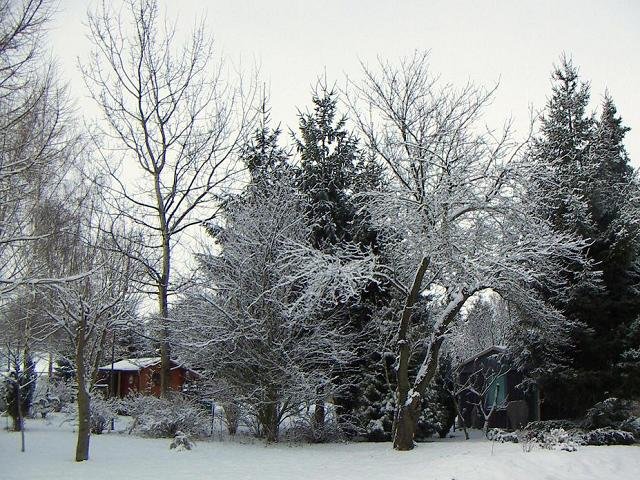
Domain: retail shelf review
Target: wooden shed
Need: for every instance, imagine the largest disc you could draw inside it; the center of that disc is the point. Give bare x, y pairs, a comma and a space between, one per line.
492, 385
142, 375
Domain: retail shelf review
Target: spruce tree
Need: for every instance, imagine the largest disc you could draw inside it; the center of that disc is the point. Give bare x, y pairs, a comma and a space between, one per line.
20, 387
590, 174
332, 172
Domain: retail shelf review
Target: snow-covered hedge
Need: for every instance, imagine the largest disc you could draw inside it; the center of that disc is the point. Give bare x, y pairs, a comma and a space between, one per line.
159, 417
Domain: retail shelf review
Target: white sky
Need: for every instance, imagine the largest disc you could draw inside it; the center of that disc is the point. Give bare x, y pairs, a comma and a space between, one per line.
513, 41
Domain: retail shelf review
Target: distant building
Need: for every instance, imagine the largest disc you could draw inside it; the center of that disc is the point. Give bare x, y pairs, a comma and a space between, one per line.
491, 381
142, 375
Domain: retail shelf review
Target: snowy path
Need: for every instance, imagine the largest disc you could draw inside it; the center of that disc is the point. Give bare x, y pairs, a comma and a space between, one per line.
118, 456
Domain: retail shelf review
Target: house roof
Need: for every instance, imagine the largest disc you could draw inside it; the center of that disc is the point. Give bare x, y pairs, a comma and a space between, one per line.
486, 351
137, 364
132, 364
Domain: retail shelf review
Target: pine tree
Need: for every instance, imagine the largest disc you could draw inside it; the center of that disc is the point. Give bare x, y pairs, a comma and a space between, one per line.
265, 159
590, 175
332, 172
565, 134
20, 387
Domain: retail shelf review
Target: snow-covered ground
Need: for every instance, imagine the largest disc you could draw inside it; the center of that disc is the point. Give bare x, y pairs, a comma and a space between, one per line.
50, 451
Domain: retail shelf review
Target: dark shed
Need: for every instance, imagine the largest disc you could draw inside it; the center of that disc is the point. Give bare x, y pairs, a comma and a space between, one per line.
494, 391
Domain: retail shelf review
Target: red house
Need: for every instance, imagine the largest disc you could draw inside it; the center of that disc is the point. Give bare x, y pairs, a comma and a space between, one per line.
142, 375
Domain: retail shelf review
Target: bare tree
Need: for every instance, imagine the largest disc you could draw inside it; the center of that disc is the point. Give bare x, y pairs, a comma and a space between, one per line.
454, 218
36, 141
171, 126
254, 323
83, 312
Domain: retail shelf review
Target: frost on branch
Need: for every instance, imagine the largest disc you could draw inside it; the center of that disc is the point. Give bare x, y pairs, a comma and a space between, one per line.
258, 322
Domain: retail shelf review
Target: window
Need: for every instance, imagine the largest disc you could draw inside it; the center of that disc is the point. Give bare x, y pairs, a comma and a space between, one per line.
497, 392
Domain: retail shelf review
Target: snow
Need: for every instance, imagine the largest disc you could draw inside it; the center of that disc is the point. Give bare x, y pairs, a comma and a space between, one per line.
132, 364
50, 449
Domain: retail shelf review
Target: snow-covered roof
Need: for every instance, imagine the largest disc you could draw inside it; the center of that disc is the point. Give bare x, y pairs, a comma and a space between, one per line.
493, 348
137, 364
132, 364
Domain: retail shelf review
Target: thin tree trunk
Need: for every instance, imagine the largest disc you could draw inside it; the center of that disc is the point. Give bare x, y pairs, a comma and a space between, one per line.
165, 346
319, 418
460, 418
84, 401
407, 408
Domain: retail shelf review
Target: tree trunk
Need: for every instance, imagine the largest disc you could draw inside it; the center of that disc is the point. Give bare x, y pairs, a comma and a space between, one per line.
319, 417
405, 424
165, 346
84, 429
18, 420
232, 416
84, 401
268, 418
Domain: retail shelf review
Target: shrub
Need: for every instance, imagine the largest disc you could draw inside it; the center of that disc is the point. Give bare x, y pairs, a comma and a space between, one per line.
632, 425
548, 425
181, 442
303, 429
501, 436
607, 436
159, 417
611, 413
559, 439
101, 412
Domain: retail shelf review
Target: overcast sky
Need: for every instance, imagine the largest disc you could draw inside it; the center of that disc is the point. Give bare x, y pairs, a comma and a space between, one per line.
514, 42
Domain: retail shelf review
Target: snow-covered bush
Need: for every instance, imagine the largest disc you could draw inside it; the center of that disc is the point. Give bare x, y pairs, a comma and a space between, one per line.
548, 425
181, 442
102, 410
304, 429
45, 405
607, 436
159, 417
437, 414
64, 391
611, 413
559, 439
632, 425
502, 436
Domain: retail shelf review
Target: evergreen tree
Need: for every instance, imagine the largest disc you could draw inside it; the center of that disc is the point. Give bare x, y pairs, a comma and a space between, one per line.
263, 156
332, 172
590, 174
565, 134
20, 387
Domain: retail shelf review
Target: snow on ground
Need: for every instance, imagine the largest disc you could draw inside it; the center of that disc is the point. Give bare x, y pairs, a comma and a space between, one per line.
50, 450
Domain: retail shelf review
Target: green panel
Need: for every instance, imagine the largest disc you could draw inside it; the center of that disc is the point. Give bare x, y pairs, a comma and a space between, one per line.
497, 391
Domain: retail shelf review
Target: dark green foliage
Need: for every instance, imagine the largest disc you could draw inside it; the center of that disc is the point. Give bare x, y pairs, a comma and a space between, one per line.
20, 384
333, 171
64, 370
265, 159
611, 413
438, 413
370, 402
589, 192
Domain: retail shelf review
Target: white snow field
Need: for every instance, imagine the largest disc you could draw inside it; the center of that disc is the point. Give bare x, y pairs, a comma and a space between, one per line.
50, 450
